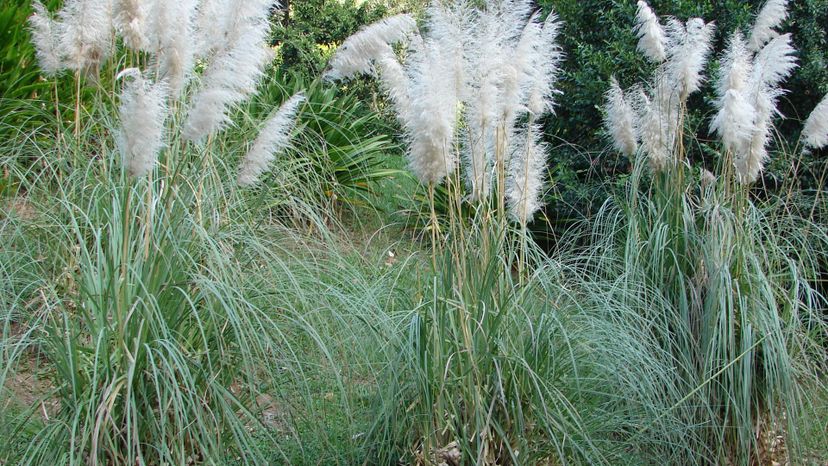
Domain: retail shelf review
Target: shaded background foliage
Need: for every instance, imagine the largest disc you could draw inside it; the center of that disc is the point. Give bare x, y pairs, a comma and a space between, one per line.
310, 30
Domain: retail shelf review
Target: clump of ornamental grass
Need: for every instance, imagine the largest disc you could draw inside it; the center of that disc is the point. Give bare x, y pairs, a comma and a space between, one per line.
489, 367
468, 94
738, 276
468, 90
154, 354
130, 297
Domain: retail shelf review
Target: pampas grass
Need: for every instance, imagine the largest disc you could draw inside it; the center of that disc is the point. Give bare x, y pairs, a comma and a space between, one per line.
620, 120
734, 121
527, 166
687, 56
654, 114
211, 25
394, 80
358, 52
274, 138
470, 89
771, 66
652, 40
656, 131
46, 38
173, 41
431, 123
142, 112
130, 21
543, 75
815, 131
86, 33
770, 17
234, 71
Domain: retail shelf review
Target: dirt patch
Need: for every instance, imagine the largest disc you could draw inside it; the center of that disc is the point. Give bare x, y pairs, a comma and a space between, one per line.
27, 387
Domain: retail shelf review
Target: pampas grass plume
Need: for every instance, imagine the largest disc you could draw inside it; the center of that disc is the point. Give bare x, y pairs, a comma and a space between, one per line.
394, 81
130, 20
547, 66
815, 132
774, 63
431, 124
769, 18
655, 132
86, 35
524, 185
46, 37
734, 121
173, 41
274, 138
620, 120
357, 53
689, 48
234, 71
652, 40
143, 111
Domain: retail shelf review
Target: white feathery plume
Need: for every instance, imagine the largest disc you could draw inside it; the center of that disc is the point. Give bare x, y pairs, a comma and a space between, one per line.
357, 53
620, 120
815, 131
274, 138
687, 54
143, 111
524, 184
736, 66
512, 62
544, 73
517, 72
448, 30
772, 14
433, 119
774, 63
486, 57
394, 81
234, 71
86, 35
749, 167
46, 37
505, 42
172, 40
763, 100
652, 41
211, 23
655, 130
734, 121
477, 156
130, 20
